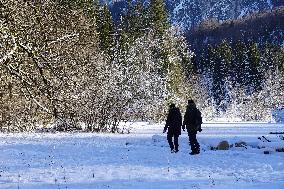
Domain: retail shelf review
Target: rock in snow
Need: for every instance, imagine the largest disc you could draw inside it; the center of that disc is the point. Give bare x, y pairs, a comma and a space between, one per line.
278, 115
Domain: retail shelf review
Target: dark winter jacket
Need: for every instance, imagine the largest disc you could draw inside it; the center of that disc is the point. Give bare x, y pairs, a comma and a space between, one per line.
174, 122
191, 117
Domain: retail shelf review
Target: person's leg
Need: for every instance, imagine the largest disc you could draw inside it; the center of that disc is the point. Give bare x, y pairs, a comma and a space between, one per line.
176, 142
195, 147
191, 141
170, 141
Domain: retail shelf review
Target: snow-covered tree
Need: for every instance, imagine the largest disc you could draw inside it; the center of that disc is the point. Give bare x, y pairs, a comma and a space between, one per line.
158, 16
60, 65
50, 43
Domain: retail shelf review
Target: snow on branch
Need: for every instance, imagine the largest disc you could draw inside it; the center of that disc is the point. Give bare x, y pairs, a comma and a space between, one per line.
10, 54
63, 38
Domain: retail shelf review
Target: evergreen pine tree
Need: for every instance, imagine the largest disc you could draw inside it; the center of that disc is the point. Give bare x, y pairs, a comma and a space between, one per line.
123, 37
135, 20
140, 21
97, 8
158, 16
225, 59
255, 76
273, 58
225, 55
239, 63
105, 28
172, 54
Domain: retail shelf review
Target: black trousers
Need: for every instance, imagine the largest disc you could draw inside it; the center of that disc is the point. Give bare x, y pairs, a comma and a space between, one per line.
195, 147
173, 145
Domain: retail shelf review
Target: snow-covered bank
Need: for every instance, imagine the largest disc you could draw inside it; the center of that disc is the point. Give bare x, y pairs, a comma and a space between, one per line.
141, 160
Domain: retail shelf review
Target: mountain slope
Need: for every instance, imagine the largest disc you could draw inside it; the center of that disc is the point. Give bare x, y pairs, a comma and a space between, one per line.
270, 29
189, 13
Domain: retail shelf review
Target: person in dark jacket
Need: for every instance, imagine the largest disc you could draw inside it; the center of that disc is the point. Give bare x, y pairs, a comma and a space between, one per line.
192, 123
173, 125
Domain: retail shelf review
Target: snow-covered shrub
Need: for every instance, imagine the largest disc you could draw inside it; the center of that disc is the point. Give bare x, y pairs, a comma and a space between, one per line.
278, 115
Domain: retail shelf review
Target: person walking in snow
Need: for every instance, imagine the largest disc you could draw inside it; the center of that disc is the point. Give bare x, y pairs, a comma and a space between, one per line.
173, 125
192, 122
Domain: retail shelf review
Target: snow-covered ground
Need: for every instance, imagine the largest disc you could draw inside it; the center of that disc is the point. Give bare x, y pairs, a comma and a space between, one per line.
142, 160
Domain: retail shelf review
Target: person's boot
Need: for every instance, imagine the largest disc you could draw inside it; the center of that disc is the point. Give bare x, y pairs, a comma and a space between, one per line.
195, 152
197, 148
176, 150
172, 150
192, 150
198, 151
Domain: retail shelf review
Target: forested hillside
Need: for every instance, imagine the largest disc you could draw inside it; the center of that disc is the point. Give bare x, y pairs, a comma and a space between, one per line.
238, 48
190, 13
242, 63
187, 14
262, 28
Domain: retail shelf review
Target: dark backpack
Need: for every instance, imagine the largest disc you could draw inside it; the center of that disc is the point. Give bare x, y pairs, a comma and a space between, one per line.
198, 121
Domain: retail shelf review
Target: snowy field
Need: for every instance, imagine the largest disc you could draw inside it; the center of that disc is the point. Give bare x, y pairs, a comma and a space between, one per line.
142, 160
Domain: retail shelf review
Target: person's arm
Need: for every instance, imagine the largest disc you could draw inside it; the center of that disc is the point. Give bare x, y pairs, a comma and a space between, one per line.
167, 123
181, 126
165, 128
184, 121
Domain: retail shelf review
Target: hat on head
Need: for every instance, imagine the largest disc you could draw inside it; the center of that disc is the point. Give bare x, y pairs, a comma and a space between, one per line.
190, 101
172, 105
